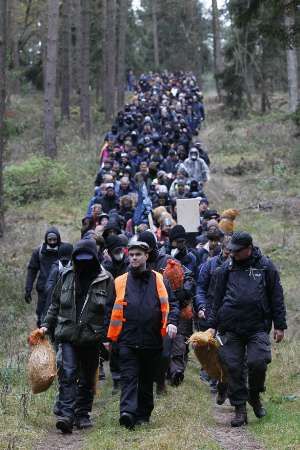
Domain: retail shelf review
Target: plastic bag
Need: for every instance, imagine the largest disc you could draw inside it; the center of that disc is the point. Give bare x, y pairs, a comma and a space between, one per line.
41, 366
206, 350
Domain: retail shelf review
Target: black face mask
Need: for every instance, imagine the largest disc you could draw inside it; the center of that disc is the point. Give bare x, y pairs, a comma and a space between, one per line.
52, 245
85, 266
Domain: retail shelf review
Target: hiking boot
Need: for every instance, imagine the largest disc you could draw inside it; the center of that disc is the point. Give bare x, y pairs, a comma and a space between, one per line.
127, 420
221, 397
116, 387
161, 389
257, 406
84, 422
240, 417
177, 378
65, 425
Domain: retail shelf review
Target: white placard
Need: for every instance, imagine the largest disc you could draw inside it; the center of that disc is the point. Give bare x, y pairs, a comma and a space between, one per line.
188, 214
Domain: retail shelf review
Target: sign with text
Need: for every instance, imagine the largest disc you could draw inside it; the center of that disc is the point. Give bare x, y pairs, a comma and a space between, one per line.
188, 213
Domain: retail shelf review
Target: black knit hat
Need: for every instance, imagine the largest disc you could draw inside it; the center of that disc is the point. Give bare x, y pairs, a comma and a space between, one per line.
177, 232
240, 240
113, 242
149, 238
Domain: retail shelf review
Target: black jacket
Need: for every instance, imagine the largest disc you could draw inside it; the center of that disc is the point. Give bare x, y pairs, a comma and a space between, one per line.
248, 297
116, 268
142, 313
40, 263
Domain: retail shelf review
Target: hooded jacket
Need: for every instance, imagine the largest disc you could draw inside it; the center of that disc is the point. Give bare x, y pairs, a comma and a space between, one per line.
85, 327
197, 169
40, 263
248, 297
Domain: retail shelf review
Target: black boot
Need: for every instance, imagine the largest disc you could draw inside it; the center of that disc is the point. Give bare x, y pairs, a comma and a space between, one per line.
127, 420
64, 424
177, 378
240, 417
161, 389
257, 406
84, 422
116, 387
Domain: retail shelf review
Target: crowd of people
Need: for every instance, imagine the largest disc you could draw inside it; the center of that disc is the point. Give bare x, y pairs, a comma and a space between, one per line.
136, 285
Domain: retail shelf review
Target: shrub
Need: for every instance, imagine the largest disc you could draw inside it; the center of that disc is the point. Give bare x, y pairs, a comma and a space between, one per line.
35, 179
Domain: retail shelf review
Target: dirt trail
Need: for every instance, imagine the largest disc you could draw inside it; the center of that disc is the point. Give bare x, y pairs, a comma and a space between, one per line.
55, 440
231, 438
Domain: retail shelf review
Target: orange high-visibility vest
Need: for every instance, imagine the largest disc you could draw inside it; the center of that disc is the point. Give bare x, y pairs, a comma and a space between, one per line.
117, 316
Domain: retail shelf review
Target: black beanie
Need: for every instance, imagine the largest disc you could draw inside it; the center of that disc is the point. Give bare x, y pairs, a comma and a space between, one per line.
113, 242
177, 232
149, 238
65, 251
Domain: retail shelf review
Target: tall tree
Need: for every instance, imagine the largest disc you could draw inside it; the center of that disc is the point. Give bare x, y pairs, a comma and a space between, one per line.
3, 45
122, 26
85, 116
50, 82
65, 55
14, 47
155, 34
110, 52
292, 57
218, 56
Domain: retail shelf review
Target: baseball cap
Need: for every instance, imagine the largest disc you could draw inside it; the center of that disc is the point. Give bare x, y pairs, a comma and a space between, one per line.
240, 240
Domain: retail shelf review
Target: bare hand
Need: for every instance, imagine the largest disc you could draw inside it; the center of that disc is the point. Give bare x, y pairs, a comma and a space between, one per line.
201, 314
107, 346
172, 331
278, 335
212, 331
43, 330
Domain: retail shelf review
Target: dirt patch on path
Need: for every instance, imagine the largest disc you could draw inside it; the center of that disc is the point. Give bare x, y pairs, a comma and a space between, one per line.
55, 440
231, 438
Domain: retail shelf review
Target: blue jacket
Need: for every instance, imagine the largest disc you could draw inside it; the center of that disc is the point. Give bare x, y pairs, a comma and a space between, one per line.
203, 282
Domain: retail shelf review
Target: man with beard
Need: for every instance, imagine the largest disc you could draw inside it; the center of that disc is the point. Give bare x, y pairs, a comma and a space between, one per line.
140, 318
40, 263
76, 316
247, 300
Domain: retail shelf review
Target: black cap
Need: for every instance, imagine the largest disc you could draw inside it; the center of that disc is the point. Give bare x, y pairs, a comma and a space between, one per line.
240, 240
177, 232
113, 242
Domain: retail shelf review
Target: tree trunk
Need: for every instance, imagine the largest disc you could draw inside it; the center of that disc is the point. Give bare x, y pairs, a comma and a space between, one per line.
65, 63
85, 70
155, 35
50, 82
3, 44
218, 56
76, 68
14, 48
292, 60
110, 58
123, 16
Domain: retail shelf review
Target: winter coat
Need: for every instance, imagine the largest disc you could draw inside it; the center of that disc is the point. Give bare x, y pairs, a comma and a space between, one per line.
40, 263
89, 329
248, 297
204, 282
116, 268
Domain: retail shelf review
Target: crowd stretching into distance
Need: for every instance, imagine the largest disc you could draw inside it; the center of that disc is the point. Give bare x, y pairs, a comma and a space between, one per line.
136, 285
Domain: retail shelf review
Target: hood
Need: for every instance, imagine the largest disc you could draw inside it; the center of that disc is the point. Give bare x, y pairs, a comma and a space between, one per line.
55, 231
194, 149
86, 246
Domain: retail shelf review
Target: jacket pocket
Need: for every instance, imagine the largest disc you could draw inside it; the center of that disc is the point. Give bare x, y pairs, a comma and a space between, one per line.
90, 334
66, 330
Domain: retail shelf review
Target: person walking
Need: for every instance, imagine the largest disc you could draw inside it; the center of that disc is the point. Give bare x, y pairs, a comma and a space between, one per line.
248, 298
39, 266
140, 318
76, 316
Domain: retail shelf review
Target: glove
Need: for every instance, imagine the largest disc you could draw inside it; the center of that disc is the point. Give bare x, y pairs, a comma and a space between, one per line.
27, 297
171, 331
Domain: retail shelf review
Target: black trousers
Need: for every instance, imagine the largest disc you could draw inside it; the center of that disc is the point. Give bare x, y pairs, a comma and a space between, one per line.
40, 307
179, 355
164, 361
77, 371
137, 367
114, 362
255, 351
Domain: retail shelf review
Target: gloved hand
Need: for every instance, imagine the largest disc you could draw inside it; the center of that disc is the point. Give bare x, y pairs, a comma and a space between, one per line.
27, 297
172, 331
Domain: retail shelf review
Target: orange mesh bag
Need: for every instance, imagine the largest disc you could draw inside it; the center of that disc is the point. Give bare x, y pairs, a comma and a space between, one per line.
206, 350
228, 217
41, 367
174, 274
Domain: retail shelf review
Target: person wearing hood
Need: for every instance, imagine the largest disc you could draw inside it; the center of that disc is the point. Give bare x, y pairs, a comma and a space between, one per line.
117, 264
39, 265
76, 316
109, 201
247, 300
196, 167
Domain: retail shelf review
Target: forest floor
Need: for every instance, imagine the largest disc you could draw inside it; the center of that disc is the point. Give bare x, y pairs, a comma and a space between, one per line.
267, 193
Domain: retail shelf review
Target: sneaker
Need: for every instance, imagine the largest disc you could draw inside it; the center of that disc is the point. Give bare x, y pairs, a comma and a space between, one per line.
240, 416
65, 425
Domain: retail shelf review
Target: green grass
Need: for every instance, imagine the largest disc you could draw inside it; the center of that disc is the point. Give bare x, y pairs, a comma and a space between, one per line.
179, 421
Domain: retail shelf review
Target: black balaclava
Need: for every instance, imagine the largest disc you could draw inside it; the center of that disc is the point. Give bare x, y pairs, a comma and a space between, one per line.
52, 230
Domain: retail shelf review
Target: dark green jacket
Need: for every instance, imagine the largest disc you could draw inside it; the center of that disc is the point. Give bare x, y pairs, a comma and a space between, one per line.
61, 316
